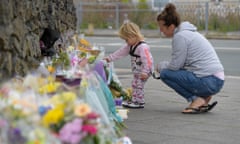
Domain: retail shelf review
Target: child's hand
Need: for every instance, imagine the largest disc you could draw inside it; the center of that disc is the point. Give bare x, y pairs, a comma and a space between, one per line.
106, 59
144, 76
83, 62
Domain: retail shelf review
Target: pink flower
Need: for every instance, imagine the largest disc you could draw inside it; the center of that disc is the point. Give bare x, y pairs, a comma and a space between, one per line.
71, 132
74, 60
91, 129
93, 115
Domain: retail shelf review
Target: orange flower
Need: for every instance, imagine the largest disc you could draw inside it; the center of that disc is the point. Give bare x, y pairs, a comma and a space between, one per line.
83, 49
84, 42
50, 69
82, 110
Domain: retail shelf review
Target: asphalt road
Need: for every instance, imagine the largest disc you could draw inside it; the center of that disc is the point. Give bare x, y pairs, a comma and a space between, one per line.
161, 121
228, 51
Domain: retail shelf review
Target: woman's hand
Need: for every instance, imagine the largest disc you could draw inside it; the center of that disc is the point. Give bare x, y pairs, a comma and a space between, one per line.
161, 65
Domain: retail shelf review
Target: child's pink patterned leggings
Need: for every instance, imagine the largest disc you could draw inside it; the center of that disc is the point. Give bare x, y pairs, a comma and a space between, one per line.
138, 89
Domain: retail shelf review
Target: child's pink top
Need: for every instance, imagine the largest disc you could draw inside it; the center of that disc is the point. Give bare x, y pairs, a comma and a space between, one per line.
143, 50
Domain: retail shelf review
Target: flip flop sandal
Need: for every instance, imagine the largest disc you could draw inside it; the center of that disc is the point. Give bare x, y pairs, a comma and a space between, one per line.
208, 107
193, 111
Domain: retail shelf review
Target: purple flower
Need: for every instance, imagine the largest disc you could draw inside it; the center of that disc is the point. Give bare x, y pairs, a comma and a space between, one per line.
15, 136
71, 132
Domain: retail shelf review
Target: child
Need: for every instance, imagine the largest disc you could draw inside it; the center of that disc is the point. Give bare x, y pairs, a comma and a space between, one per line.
141, 61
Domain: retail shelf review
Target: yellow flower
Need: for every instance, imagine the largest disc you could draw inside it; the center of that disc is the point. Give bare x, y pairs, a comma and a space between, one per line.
70, 48
82, 110
51, 69
84, 42
60, 106
53, 116
82, 49
84, 83
55, 100
49, 88
68, 97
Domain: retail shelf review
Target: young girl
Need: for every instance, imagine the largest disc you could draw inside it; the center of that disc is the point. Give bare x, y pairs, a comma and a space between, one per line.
141, 61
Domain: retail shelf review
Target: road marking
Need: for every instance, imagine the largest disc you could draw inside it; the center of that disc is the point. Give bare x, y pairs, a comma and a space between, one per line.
124, 70
218, 48
167, 46
233, 77
110, 44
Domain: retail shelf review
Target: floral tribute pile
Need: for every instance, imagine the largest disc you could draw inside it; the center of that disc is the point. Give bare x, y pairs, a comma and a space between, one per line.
42, 108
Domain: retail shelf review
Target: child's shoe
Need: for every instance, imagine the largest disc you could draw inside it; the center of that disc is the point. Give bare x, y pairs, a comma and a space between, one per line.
156, 75
131, 104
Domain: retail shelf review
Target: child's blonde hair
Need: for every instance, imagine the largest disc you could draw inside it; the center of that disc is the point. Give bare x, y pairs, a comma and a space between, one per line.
129, 30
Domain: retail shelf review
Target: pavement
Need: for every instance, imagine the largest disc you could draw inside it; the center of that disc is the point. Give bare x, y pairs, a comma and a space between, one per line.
161, 121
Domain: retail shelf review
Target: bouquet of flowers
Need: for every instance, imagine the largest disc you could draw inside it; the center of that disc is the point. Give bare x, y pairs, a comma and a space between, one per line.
54, 116
115, 85
73, 122
19, 123
69, 64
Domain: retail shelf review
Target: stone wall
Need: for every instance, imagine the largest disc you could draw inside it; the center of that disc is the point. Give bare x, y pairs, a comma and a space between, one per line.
21, 24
